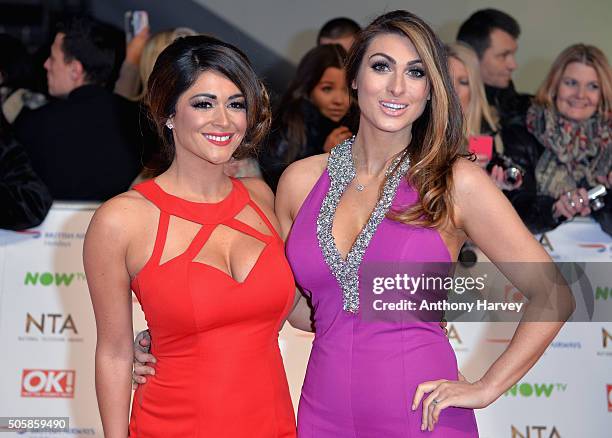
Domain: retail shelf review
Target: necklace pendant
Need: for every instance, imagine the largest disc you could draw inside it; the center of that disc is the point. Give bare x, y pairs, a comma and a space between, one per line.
359, 187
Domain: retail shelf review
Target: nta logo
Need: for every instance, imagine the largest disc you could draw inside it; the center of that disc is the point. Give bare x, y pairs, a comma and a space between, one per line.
536, 389
48, 383
535, 432
609, 398
50, 323
49, 279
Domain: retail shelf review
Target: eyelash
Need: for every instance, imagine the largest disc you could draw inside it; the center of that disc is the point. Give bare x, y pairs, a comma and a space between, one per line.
204, 104
381, 67
573, 83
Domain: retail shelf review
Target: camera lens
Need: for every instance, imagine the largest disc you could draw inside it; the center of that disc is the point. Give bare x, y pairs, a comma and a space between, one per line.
511, 175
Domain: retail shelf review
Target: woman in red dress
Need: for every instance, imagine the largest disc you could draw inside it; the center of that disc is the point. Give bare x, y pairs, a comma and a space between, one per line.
202, 252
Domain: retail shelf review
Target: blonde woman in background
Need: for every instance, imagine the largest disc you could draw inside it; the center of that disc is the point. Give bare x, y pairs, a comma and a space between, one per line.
480, 118
571, 117
468, 84
141, 54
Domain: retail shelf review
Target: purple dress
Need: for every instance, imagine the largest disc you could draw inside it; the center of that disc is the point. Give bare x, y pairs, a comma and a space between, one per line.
362, 375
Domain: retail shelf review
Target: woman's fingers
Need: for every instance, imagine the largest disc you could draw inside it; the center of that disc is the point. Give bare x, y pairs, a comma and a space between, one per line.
581, 199
144, 357
142, 369
422, 389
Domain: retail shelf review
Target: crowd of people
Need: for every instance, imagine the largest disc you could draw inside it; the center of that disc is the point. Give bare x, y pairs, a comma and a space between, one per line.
376, 153
371, 152
562, 133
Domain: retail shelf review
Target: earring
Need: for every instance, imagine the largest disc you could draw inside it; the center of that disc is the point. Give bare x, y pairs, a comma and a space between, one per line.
429, 97
169, 124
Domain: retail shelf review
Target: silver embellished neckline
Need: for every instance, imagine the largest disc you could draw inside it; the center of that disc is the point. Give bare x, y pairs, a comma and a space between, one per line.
341, 171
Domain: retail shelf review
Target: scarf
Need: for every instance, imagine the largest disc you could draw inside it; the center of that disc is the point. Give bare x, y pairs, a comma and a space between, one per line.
575, 153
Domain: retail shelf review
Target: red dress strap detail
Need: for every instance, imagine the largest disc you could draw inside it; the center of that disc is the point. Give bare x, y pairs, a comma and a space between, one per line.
248, 230
199, 212
160, 238
263, 216
199, 241
148, 191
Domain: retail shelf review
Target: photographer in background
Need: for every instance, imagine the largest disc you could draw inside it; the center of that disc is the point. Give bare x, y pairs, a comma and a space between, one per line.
572, 118
493, 35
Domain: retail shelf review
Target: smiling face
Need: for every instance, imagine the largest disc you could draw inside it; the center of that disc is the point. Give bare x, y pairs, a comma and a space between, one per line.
210, 119
330, 95
579, 92
391, 84
461, 81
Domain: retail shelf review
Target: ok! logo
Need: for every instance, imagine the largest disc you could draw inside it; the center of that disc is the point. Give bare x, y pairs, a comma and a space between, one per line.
48, 383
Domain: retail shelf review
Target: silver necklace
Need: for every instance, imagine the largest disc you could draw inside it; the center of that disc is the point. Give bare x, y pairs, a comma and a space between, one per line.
360, 187
341, 171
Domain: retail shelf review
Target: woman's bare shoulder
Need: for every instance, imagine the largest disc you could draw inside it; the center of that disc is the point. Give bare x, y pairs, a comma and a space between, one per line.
259, 191
297, 181
124, 213
305, 170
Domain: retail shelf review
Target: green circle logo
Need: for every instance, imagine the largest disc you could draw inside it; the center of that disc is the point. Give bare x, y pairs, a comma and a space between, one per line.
46, 279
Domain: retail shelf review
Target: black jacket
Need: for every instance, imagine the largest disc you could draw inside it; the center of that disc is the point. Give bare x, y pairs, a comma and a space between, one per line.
85, 147
523, 148
272, 159
24, 199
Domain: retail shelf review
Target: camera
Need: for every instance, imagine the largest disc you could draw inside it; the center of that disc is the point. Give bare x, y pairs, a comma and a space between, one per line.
512, 171
595, 196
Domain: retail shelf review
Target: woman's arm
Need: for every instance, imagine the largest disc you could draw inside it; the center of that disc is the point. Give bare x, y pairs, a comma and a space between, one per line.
486, 216
104, 256
301, 316
483, 213
294, 186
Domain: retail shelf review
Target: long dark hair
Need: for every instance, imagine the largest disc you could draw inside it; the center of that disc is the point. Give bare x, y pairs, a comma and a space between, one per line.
180, 64
289, 118
437, 135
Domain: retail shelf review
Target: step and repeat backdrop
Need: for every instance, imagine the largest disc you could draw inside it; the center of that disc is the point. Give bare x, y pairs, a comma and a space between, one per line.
48, 337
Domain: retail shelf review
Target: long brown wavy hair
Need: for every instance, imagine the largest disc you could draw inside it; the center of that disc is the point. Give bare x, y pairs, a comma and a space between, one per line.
437, 135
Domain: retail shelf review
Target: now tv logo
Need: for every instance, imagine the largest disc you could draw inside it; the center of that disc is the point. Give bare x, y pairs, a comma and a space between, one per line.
52, 279
48, 383
536, 389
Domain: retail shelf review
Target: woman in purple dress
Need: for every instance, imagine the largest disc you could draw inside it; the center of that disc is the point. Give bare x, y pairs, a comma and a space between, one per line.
384, 379
397, 192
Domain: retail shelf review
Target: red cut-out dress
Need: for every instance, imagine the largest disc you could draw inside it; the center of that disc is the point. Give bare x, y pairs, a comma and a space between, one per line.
219, 370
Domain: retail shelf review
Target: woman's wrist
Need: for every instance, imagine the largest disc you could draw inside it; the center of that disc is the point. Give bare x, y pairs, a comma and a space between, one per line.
490, 391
